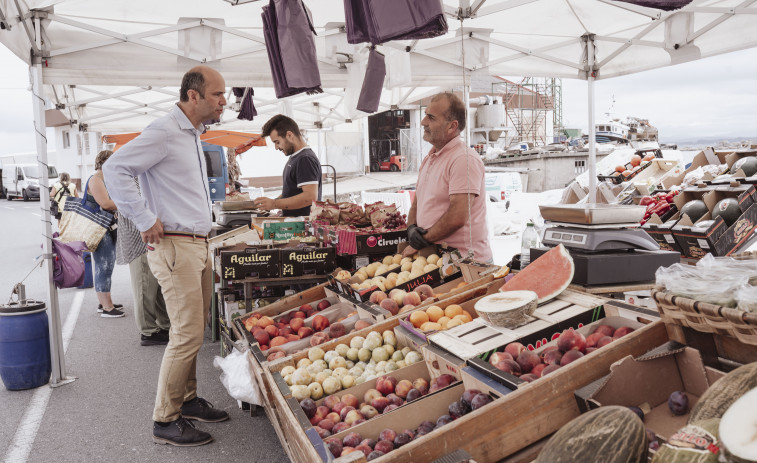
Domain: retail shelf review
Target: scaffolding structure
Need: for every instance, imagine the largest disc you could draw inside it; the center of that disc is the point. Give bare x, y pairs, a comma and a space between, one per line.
528, 105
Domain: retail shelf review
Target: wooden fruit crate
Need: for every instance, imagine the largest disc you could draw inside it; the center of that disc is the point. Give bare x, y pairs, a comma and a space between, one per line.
508, 425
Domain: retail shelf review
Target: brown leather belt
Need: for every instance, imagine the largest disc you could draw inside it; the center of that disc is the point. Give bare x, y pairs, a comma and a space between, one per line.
196, 236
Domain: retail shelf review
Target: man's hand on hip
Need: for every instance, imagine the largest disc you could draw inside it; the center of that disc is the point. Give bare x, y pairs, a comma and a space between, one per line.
415, 237
154, 234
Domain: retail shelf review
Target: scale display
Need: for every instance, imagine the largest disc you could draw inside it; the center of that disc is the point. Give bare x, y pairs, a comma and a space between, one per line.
600, 238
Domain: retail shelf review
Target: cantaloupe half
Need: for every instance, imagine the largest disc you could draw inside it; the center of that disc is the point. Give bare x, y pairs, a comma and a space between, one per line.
547, 276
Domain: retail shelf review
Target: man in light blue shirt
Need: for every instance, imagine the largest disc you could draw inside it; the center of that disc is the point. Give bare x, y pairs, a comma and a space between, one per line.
173, 216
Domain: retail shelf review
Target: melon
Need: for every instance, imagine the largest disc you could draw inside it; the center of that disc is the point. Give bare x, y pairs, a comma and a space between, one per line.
694, 443
695, 209
509, 309
724, 392
747, 164
547, 276
611, 434
737, 429
729, 209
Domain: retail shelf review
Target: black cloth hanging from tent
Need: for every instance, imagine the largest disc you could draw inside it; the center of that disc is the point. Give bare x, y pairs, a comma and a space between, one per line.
247, 112
289, 41
370, 93
379, 21
666, 5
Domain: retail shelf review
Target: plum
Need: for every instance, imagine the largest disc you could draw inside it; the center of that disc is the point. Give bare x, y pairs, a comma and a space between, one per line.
387, 435
550, 369
322, 433
528, 377
479, 401
309, 407
339, 427
394, 399
401, 439
428, 424
441, 382
570, 356
335, 446
386, 384
422, 385
330, 401
468, 395
527, 360
678, 402
409, 432
385, 445
444, 419
369, 442
374, 455
352, 439
327, 424
413, 394
458, 409
380, 403
365, 449
390, 407
638, 412
571, 339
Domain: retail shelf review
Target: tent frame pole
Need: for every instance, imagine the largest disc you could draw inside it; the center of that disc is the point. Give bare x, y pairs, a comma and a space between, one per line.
57, 354
592, 128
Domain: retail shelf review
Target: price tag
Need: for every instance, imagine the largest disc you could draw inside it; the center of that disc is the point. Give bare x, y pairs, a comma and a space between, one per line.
703, 244
669, 238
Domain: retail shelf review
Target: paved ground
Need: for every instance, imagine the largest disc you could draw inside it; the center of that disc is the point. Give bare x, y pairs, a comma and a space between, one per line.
105, 415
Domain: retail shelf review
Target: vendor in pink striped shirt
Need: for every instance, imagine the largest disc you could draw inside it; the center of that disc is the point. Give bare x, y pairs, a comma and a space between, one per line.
450, 199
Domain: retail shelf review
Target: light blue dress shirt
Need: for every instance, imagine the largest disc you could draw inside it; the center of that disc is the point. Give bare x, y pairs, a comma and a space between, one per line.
168, 159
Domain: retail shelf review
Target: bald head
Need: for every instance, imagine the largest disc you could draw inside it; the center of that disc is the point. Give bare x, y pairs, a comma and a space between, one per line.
196, 79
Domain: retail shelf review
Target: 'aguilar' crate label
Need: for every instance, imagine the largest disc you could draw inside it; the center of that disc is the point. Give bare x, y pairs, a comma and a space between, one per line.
307, 261
250, 263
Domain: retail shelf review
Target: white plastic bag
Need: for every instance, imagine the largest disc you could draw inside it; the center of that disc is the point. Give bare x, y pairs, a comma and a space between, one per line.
237, 377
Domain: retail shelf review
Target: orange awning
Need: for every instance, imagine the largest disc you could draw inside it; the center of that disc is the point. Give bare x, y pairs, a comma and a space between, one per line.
240, 141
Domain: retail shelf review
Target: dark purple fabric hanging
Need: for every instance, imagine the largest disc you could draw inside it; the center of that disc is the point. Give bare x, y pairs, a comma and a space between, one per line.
289, 41
68, 263
370, 93
665, 5
385, 20
247, 112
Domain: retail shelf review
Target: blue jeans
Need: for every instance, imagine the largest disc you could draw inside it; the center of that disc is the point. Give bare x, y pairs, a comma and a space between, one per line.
105, 260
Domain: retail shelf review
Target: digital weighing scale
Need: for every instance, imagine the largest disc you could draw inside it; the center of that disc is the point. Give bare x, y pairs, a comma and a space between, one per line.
606, 242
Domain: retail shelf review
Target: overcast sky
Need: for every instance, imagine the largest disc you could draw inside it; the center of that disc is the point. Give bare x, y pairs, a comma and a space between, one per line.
713, 97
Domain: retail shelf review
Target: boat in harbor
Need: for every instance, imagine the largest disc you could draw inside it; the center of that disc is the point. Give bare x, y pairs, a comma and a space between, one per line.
622, 131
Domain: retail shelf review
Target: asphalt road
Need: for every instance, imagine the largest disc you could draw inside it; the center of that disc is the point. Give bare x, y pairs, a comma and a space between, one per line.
105, 415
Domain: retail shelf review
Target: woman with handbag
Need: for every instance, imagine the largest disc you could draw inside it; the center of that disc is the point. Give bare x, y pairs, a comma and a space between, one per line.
105, 254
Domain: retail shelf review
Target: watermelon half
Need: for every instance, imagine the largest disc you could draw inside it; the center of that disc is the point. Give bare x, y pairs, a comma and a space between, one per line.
547, 276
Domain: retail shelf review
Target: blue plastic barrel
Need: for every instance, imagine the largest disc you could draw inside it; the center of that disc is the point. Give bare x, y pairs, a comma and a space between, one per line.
24, 345
88, 279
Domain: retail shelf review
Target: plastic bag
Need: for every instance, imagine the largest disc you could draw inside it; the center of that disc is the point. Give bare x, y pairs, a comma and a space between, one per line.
706, 283
237, 377
746, 296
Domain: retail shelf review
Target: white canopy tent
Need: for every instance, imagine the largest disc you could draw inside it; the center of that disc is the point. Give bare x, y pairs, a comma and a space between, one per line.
115, 65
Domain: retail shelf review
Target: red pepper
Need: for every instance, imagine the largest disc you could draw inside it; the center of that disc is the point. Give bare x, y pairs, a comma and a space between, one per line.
661, 208
646, 200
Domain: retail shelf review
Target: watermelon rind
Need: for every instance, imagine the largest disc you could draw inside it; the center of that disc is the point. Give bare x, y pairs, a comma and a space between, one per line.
611, 434
724, 392
554, 267
508, 309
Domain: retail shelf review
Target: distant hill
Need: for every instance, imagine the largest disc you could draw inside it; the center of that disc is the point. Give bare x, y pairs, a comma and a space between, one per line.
709, 141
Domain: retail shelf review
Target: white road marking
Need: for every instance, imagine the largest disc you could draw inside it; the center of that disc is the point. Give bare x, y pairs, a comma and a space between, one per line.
26, 433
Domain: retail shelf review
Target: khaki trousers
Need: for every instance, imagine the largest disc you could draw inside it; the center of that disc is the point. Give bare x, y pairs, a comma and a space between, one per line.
149, 307
183, 267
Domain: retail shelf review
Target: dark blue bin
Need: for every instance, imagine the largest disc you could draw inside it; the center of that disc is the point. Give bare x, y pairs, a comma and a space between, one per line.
88, 279
24, 346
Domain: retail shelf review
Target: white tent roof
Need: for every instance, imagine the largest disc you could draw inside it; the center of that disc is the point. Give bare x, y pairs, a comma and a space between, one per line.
125, 58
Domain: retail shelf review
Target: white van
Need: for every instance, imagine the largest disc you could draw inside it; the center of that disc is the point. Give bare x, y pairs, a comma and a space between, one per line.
23, 181
501, 185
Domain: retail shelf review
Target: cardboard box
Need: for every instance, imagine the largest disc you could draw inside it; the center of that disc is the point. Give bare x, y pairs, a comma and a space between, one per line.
352, 262
718, 239
514, 382
441, 362
650, 179
662, 230
647, 382
473, 379
310, 260
283, 230
365, 242
241, 261
236, 236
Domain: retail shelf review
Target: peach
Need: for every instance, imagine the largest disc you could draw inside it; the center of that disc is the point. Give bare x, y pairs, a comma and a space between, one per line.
318, 338
330, 401
443, 321
454, 323
622, 331
398, 296
603, 341
386, 384
508, 366
250, 323
441, 382
299, 314
352, 416
467, 316
305, 331
361, 324
262, 337
323, 305
377, 297
285, 331
395, 400
418, 318
292, 337
285, 319
538, 369
327, 424
371, 394
552, 357
322, 410
543, 352
365, 449
528, 377
380, 403
550, 369
344, 411
407, 308
463, 318
296, 324
411, 298
368, 411
339, 427
434, 313
592, 339
320, 323
391, 407
351, 400
272, 331
452, 310
499, 356
265, 321
606, 330
571, 339
527, 360
422, 385
275, 355
514, 349
387, 435
352, 439
278, 341
337, 330
425, 291
402, 388
570, 357
390, 305
334, 417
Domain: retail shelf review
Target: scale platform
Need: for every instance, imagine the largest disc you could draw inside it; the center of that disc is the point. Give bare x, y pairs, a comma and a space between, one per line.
599, 237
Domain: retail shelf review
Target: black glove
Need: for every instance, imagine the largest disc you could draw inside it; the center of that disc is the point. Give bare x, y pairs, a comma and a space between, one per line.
415, 236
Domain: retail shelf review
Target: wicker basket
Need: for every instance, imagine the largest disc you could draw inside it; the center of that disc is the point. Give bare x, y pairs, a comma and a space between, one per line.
705, 317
